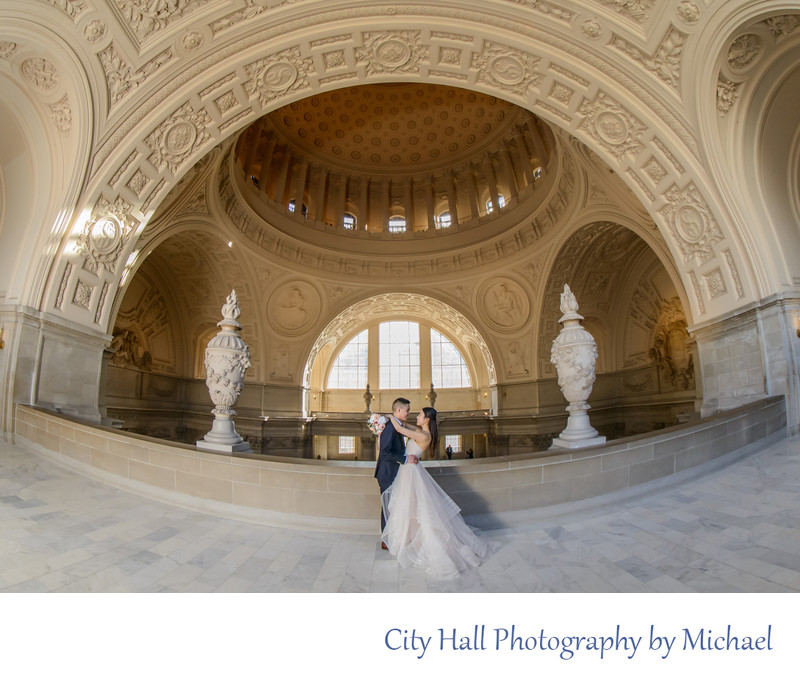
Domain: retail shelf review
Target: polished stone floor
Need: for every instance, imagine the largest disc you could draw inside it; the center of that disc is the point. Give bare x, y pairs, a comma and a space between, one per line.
736, 529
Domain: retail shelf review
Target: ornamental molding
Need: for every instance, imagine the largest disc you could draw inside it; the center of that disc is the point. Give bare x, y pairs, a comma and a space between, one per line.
691, 223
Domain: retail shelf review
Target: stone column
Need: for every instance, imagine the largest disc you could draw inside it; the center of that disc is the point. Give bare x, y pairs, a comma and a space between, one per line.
472, 192
341, 199
280, 182
491, 179
409, 203
321, 194
430, 203
266, 163
452, 201
508, 170
300, 186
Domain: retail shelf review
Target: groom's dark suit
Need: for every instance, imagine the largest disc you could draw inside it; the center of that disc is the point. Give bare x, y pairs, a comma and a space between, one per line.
391, 456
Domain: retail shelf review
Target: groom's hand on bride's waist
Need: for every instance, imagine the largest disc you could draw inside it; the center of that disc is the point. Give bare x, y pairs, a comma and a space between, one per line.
412, 459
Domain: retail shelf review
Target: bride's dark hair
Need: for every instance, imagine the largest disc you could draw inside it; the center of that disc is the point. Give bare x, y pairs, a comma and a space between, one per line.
430, 413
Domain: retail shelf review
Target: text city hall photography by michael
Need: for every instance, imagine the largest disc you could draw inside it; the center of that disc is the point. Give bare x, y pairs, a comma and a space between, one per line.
332, 296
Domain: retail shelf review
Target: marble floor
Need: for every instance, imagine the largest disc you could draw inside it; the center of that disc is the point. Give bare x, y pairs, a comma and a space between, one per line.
736, 529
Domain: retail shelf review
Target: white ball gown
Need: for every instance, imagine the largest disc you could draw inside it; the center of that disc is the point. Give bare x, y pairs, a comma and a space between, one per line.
424, 526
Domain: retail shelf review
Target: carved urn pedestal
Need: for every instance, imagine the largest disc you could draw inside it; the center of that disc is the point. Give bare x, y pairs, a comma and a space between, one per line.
574, 353
227, 359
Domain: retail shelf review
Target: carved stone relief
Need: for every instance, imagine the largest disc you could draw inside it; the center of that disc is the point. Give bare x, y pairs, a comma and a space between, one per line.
665, 62
611, 126
744, 51
282, 362
688, 12
783, 25
40, 73
671, 350
592, 29
638, 10
145, 17
173, 142
698, 294
72, 8
737, 281
7, 49
727, 93
95, 31
62, 286
503, 305
517, 358
277, 75
105, 233
294, 308
61, 114
507, 68
120, 77
129, 351
715, 283
693, 227
392, 52
83, 294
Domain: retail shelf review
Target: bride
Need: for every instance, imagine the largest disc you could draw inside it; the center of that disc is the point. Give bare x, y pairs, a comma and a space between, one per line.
423, 525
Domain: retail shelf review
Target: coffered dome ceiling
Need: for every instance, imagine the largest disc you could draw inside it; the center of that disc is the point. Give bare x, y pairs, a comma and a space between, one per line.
410, 127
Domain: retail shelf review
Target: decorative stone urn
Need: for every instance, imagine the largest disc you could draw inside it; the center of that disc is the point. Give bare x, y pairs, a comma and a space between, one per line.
574, 353
227, 358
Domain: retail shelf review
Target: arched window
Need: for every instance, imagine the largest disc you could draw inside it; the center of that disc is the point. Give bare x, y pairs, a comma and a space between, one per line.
399, 363
349, 370
443, 220
398, 355
397, 224
501, 202
349, 221
303, 209
448, 368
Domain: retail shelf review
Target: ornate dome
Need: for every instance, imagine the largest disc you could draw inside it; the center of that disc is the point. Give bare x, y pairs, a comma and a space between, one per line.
408, 127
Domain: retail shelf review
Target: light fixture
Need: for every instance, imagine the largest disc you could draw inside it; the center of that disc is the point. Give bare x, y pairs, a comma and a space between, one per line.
230, 243
2, 334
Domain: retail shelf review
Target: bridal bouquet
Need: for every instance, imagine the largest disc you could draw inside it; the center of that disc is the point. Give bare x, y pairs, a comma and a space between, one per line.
376, 423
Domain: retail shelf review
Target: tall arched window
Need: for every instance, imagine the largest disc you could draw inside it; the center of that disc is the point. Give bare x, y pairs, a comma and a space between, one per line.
397, 224
349, 370
448, 368
399, 362
398, 355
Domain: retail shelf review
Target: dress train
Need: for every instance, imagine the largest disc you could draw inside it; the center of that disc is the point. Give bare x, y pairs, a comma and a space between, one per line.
424, 526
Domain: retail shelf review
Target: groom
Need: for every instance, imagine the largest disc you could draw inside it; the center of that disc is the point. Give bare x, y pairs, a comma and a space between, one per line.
392, 452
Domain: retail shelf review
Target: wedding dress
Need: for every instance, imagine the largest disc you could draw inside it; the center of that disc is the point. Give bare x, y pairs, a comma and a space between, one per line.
424, 526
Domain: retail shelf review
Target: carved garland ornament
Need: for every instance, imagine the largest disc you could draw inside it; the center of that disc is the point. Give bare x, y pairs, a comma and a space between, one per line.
146, 17
665, 63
